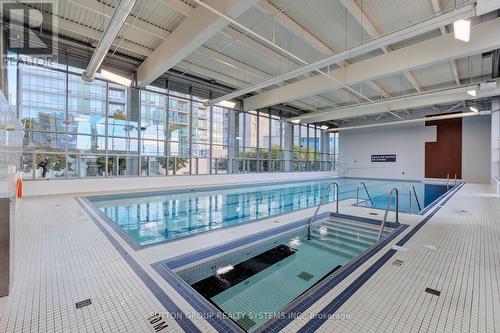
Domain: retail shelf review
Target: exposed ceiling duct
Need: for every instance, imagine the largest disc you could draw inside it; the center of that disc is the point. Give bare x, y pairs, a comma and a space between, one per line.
412, 121
400, 103
384, 40
120, 14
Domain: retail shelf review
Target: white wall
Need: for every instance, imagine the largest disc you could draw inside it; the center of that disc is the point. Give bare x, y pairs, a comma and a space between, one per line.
139, 184
408, 143
476, 149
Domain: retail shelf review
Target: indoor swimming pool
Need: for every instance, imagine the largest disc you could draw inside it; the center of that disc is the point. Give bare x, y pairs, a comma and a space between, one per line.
155, 217
254, 284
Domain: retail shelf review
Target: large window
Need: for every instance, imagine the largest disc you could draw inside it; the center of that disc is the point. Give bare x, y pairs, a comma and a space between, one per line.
74, 128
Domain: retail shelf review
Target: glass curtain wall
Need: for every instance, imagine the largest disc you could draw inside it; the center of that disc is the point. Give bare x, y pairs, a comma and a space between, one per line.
74, 128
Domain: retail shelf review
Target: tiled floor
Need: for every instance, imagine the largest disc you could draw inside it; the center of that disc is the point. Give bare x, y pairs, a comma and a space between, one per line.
63, 257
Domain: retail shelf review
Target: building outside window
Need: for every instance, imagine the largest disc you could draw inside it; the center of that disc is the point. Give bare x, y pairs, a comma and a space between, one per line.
74, 128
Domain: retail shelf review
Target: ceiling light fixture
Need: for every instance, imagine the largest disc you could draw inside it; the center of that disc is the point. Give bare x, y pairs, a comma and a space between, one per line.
107, 75
461, 30
473, 109
295, 121
227, 104
472, 92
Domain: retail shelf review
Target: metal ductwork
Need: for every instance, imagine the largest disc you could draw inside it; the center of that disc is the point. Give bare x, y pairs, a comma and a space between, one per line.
120, 14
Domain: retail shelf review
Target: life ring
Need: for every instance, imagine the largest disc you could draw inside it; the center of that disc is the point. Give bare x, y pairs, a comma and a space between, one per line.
19, 188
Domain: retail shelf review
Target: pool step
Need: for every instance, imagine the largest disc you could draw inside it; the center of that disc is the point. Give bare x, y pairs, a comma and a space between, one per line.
341, 244
349, 226
343, 232
356, 238
330, 248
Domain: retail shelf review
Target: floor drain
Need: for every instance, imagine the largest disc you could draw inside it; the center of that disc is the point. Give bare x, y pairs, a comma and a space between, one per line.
432, 291
276, 221
397, 262
373, 213
83, 303
305, 276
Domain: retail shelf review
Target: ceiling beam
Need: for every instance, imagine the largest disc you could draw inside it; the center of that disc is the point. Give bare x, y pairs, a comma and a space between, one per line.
390, 38
454, 67
279, 17
484, 37
430, 98
269, 9
415, 120
192, 32
366, 23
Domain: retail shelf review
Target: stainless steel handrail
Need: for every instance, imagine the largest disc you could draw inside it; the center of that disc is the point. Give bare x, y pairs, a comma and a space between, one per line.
367, 193
412, 187
312, 218
455, 180
447, 181
387, 208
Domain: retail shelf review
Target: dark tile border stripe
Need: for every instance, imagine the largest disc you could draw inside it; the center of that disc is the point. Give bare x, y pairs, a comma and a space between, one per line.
335, 304
198, 255
434, 203
178, 315
89, 200
136, 246
213, 315
301, 305
210, 313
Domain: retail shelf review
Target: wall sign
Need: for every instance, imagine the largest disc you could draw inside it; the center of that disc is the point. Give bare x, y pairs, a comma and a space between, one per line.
384, 158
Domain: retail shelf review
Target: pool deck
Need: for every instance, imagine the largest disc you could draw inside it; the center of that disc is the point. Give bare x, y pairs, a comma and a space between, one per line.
65, 255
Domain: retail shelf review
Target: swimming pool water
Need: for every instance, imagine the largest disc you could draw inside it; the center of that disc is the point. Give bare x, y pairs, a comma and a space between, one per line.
253, 290
149, 218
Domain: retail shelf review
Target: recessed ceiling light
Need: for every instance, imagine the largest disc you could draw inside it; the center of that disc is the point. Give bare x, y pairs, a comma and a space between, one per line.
461, 30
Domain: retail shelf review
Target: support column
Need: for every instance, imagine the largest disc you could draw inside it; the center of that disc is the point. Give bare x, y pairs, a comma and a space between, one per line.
324, 150
232, 150
495, 139
133, 163
288, 146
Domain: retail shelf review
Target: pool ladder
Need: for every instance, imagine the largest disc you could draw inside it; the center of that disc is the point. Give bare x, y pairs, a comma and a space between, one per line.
367, 193
414, 192
387, 208
448, 181
325, 194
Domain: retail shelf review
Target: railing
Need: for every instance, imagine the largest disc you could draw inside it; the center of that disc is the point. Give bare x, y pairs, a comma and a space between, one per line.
448, 181
412, 189
387, 208
311, 220
367, 193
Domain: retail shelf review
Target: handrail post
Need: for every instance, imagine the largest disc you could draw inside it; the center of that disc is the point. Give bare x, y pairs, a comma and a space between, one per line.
357, 194
367, 193
409, 198
455, 180
447, 181
387, 208
412, 187
313, 217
